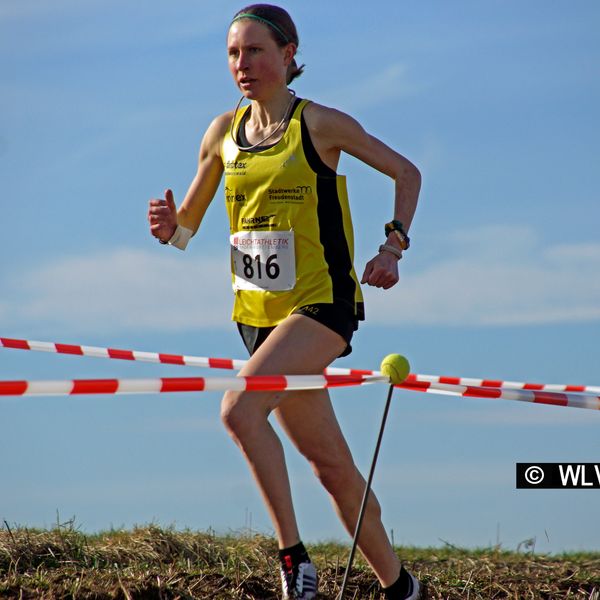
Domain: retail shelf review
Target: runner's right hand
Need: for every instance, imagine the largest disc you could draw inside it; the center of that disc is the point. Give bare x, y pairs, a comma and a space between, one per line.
162, 216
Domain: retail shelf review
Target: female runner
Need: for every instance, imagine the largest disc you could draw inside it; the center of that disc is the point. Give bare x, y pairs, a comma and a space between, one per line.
297, 297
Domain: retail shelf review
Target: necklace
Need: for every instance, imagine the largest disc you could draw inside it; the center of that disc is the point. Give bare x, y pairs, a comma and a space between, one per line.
286, 115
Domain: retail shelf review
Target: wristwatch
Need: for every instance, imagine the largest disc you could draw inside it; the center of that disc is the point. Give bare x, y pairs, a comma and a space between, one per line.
398, 230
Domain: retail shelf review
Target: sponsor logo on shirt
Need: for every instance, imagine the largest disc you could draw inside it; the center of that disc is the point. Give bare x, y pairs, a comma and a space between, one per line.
230, 196
235, 164
289, 195
259, 222
235, 167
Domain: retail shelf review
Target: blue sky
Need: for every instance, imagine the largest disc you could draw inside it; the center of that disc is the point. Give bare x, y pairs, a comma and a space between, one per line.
102, 106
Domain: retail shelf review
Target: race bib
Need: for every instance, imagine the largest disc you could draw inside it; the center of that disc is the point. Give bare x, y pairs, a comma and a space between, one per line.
263, 260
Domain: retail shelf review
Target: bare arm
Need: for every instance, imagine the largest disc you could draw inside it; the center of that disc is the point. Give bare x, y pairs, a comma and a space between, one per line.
332, 132
162, 213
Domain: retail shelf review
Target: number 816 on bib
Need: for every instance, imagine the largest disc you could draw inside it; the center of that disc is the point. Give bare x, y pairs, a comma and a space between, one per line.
263, 260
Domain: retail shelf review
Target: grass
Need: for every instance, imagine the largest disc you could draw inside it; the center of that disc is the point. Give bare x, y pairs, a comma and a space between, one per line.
150, 563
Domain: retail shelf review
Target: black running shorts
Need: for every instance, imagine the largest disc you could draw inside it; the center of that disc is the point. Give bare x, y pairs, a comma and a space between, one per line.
338, 317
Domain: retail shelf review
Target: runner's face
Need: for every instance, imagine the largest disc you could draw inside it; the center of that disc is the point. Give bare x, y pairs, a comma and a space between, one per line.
257, 63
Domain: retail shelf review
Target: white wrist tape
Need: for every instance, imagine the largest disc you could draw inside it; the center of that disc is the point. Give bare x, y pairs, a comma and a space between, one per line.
181, 237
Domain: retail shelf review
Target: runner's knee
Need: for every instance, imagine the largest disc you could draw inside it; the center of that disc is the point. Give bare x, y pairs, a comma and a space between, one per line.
241, 415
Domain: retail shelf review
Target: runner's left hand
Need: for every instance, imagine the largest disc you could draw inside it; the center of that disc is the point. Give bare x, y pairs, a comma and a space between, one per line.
381, 271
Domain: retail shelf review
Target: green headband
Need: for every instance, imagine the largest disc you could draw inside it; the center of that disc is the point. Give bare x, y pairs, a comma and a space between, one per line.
262, 20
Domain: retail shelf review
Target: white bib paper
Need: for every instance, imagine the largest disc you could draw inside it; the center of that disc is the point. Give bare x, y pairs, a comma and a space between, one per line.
263, 260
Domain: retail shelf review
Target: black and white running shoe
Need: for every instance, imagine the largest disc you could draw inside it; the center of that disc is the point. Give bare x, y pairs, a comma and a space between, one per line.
299, 583
418, 591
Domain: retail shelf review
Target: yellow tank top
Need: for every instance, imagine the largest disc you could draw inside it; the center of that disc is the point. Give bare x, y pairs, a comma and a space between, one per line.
291, 231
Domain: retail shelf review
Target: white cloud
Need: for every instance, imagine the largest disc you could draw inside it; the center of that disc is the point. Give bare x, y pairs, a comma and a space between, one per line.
496, 276
126, 289
489, 276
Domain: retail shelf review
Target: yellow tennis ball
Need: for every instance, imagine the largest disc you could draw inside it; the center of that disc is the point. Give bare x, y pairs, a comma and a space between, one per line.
396, 367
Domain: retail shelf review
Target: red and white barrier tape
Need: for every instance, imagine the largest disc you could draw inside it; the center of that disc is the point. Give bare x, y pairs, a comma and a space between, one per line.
507, 385
573, 399
228, 363
183, 384
280, 383
115, 353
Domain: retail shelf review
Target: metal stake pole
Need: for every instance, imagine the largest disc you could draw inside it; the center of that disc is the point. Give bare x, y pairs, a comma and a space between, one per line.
363, 506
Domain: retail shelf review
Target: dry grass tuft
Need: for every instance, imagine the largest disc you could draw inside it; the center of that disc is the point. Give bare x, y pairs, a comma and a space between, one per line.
150, 563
